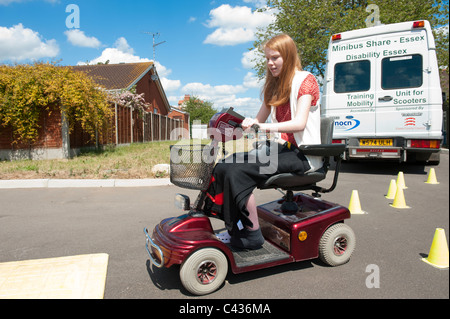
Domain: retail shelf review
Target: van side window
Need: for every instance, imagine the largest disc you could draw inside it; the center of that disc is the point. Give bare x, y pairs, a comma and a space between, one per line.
352, 76
402, 72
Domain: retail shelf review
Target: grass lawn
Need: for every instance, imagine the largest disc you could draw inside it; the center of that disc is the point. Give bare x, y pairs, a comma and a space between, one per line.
134, 161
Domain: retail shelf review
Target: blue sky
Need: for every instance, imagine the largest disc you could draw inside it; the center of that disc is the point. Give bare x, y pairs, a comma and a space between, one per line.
206, 52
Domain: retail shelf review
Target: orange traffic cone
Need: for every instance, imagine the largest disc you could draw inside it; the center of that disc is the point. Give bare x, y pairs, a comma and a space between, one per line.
438, 256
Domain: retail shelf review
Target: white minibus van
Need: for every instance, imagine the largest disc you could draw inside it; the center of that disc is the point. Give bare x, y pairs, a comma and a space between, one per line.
383, 90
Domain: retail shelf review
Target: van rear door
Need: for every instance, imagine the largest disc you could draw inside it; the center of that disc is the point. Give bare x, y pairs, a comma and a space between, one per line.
350, 92
402, 91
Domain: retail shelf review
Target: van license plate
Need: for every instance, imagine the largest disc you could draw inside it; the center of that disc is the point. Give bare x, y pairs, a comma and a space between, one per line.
376, 142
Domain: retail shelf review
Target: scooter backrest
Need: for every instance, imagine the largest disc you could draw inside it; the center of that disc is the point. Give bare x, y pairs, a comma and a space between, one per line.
326, 130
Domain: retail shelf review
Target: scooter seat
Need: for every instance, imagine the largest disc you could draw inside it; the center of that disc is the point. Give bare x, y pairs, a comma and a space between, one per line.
295, 182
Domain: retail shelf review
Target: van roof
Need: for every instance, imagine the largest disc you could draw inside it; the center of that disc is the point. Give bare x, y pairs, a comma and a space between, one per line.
387, 29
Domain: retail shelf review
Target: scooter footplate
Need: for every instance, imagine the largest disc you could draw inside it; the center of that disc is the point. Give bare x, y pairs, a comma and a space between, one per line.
266, 254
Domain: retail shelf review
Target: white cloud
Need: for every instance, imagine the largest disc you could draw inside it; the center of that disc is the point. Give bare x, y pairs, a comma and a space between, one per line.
202, 90
249, 58
173, 100
163, 72
170, 85
77, 38
122, 45
235, 25
223, 36
252, 81
18, 43
246, 106
120, 53
226, 16
116, 56
224, 96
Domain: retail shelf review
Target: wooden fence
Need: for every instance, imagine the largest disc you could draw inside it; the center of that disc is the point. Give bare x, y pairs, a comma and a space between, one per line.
128, 126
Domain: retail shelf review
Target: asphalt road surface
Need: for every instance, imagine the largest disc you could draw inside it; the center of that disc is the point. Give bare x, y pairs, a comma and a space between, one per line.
46, 223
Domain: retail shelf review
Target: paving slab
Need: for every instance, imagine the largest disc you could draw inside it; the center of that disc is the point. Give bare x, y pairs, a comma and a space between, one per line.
74, 277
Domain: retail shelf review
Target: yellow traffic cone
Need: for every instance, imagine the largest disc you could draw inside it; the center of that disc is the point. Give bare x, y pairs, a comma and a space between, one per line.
355, 205
432, 177
392, 190
438, 256
399, 200
401, 181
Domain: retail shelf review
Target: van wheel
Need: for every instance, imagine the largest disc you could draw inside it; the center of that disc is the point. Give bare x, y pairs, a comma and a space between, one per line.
204, 271
337, 245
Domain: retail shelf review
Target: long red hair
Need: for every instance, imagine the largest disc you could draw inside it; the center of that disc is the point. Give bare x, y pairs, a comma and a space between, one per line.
277, 90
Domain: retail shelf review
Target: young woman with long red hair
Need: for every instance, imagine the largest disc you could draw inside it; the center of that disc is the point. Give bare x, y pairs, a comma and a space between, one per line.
291, 99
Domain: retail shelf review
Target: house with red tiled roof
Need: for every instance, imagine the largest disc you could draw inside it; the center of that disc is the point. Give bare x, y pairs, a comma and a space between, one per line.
156, 123
123, 76
127, 126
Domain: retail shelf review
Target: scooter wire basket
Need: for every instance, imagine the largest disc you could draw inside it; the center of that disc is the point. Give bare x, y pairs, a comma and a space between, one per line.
191, 166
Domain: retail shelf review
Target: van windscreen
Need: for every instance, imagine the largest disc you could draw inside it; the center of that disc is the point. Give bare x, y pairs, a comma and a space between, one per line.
352, 76
402, 72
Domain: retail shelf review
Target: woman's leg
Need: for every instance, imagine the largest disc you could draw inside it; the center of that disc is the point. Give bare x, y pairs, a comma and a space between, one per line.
252, 212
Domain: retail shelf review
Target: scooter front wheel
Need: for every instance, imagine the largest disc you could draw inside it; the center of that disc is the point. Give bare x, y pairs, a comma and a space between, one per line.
337, 245
204, 271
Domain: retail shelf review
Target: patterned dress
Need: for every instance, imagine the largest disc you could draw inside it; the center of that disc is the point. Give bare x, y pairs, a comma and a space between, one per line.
309, 86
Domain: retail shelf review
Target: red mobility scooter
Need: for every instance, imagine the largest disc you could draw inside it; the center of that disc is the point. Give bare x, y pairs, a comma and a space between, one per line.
296, 227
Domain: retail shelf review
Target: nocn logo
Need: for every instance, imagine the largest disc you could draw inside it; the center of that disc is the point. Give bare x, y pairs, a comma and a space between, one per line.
350, 123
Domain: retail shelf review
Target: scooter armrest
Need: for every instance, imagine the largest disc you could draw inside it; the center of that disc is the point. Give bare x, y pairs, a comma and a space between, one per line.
323, 149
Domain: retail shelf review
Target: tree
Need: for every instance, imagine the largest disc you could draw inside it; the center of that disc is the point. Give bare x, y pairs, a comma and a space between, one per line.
28, 90
199, 110
312, 22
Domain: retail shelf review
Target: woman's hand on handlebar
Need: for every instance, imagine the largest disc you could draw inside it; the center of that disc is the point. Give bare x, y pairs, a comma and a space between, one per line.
248, 123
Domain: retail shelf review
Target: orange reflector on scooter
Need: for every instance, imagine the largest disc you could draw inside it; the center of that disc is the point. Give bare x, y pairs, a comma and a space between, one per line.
302, 236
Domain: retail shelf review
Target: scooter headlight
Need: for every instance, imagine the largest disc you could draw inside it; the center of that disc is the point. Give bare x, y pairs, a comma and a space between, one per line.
157, 254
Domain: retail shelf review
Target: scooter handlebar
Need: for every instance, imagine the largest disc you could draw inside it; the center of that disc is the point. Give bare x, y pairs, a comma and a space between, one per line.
255, 127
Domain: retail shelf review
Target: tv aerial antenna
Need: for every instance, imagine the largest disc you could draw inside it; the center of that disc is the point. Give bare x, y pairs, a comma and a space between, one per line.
155, 36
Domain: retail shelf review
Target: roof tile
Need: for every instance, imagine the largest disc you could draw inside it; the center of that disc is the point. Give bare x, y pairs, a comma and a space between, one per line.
115, 76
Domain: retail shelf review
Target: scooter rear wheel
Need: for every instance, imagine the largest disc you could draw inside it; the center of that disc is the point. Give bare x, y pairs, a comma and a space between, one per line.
337, 245
204, 271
